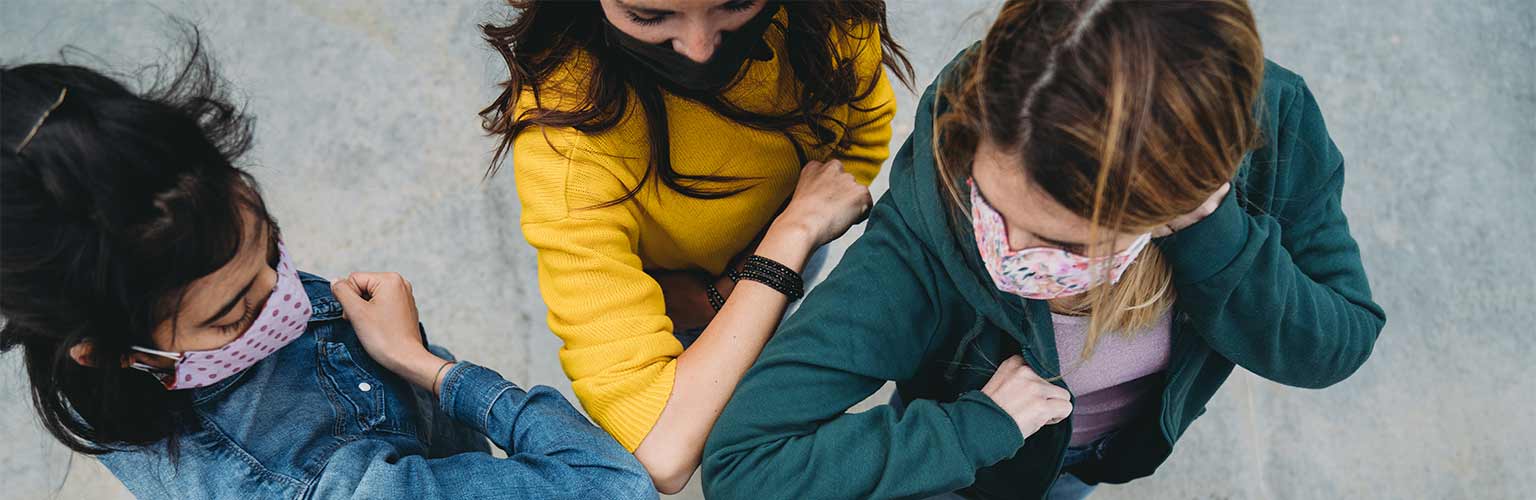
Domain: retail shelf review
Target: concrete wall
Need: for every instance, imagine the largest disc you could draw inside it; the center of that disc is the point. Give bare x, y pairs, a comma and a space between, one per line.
370, 154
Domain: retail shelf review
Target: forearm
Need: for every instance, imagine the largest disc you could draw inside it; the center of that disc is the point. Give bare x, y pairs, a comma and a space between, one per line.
1294, 329
707, 373
552, 451
1305, 311
930, 448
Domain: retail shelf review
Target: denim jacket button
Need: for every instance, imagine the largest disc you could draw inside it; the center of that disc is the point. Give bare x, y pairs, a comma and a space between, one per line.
364, 387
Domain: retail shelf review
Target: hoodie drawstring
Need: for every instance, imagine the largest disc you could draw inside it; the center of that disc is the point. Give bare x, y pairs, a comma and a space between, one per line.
970, 336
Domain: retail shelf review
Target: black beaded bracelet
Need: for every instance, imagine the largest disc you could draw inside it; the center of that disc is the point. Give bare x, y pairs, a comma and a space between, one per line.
775, 275
716, 300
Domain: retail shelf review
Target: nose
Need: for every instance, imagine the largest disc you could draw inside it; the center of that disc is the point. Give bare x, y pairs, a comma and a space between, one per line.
697, 45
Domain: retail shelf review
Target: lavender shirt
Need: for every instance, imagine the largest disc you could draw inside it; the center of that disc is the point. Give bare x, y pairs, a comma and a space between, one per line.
1117, 381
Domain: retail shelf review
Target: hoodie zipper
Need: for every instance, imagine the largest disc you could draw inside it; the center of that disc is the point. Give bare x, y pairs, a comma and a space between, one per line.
1178, 330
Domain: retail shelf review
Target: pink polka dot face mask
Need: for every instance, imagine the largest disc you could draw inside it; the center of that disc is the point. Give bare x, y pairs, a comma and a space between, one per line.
1041, 273
284, 317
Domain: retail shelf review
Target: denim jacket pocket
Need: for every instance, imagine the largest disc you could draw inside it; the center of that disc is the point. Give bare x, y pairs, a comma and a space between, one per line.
364, 402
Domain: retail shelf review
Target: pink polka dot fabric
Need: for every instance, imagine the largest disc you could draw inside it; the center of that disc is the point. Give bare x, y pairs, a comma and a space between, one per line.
281, 320
1040, 273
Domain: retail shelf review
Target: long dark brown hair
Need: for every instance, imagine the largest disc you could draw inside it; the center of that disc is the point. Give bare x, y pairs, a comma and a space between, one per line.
549, 34
115, 203
1127, 113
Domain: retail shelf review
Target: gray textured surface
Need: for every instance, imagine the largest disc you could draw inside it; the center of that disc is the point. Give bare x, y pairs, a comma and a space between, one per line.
370, 155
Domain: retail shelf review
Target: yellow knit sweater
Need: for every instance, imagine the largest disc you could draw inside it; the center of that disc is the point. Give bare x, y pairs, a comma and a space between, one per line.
619, 350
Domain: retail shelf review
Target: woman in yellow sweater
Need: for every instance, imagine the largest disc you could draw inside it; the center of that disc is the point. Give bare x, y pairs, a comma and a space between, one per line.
654, 144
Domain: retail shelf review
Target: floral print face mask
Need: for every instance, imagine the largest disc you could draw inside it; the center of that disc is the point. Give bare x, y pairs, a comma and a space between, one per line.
1041, 273
284, 317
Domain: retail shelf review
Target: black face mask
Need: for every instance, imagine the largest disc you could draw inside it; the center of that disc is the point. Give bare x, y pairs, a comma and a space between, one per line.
677, 70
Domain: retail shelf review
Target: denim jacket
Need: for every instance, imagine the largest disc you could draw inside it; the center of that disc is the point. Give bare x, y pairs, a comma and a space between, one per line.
320, 419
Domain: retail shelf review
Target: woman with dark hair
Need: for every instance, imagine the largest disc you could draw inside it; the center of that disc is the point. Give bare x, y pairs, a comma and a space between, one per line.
677, 161
1104, 207
165, 328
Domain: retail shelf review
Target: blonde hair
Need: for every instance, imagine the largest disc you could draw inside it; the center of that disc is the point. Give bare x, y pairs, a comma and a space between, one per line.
1128, 114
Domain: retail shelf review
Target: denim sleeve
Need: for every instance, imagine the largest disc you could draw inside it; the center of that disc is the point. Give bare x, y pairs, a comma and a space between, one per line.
552, 452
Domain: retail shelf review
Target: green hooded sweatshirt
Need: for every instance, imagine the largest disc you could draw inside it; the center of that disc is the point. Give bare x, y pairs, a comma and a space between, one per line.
1272, 282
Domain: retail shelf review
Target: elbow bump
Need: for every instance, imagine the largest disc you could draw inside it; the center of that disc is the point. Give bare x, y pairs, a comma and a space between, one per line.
672, 482
669, 478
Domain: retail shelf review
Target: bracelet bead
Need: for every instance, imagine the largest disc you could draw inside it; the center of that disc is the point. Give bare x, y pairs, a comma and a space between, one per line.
777, 276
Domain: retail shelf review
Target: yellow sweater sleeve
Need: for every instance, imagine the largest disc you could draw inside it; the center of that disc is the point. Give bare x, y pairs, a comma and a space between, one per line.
619, 351
869, 120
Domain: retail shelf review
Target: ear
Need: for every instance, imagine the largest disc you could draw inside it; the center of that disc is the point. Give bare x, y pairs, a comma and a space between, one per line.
82, 354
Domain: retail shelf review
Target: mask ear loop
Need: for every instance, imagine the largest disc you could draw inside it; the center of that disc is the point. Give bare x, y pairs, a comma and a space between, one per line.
159, 373
150, 369
176, 356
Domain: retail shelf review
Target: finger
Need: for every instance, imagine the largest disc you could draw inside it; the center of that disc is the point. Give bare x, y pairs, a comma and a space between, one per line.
1207, 209
1057, 409
1222, 191
1186, 220
1013, 362
366, 283
1028, 374
1056, 392
373, 284
835, 165
347, 293
1214, 201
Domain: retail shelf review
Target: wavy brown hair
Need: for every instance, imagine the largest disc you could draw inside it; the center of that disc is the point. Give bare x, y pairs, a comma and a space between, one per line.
1127, 113
549, 33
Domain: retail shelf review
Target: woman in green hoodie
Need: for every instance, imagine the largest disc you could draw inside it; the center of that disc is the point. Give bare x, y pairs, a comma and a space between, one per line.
1103, 207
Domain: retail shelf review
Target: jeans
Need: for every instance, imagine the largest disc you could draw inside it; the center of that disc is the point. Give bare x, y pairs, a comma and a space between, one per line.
1068, 486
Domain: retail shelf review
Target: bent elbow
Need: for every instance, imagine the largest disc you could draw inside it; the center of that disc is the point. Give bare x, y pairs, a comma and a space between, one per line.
669, 476
1341, 369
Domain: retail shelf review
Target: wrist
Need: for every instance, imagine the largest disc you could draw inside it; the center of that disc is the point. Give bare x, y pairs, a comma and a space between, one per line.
788, 228
420, 369
789, 243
